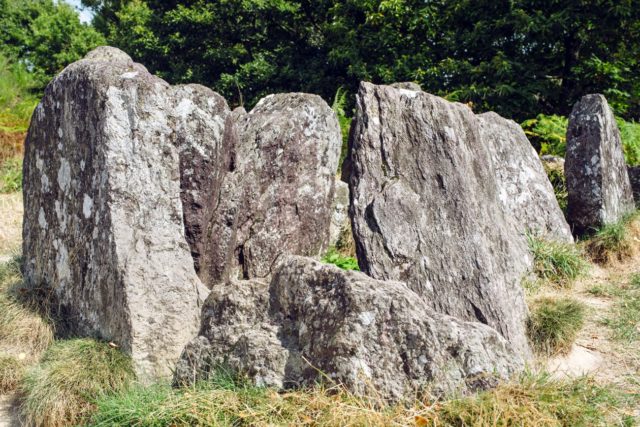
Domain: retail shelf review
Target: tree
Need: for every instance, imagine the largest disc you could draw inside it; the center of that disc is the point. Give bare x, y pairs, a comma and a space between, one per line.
44, 36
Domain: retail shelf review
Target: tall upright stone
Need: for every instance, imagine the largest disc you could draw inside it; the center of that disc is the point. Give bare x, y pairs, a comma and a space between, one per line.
103, 224
275, 198
426, 209
597, 180
524, 190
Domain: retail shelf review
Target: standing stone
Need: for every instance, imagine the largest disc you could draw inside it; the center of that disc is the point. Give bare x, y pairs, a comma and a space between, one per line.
315, 321
103, 224
276, 197
597, 179
425, 209
339, 212
201, 120
524, 190
634, 179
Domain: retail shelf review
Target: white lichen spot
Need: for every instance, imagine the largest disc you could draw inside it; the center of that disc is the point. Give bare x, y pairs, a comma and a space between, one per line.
39, 162
451, 134
87, 206
129, 75
366, 317
62, 262
184, 108
64, 175
60, 133
42, 221
408, 92
82, 164
44, 183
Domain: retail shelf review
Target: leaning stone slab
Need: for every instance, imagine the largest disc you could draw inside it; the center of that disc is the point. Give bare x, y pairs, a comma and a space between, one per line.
316, 322
275, 198
524, 190
103, 224
426, 209
597, 180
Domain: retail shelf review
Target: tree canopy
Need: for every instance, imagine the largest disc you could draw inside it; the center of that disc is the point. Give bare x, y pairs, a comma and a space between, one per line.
44, 36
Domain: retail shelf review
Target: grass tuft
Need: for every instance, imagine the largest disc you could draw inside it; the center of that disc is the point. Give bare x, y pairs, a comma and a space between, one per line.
11, 371
532, 398
344, 262
613, 241
22, 329
62, 389
554, 325
559, 263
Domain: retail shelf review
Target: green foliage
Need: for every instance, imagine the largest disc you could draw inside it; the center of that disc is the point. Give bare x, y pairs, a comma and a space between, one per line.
62, 389
16, 100
630, 135
548, 134
11, 175
344, 262
339, 106
519, 58
554, 324
624, 320
43, 35
559, 263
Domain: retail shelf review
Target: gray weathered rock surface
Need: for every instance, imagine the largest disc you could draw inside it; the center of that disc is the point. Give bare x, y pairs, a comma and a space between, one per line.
524, 189
339, 212
359, 331
426, 209
634, 179
276, 197
597, 179
103, 224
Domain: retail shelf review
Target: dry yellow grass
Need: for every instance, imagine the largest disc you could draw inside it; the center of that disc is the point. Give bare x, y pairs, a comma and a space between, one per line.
11, 211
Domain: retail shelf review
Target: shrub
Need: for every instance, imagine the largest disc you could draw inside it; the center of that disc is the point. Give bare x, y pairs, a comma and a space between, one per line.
547, 133
559, 263
16, 100
11, 370
344, 262
11, 175
630, 135
554, 324
612, 241
62, 389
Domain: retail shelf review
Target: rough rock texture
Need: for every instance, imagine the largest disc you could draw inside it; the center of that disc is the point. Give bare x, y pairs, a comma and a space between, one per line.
276, 197
202, 123
597, 179
634, 179
339, 212
361, 332
523, 186
103, 224
425, 209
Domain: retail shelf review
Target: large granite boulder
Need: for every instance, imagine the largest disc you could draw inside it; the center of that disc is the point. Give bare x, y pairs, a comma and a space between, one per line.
103, 224
597, 180
315, 322
276, 195
524, 190
426, 209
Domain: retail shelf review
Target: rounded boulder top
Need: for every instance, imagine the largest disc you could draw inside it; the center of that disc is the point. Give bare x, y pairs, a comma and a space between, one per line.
107, 53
